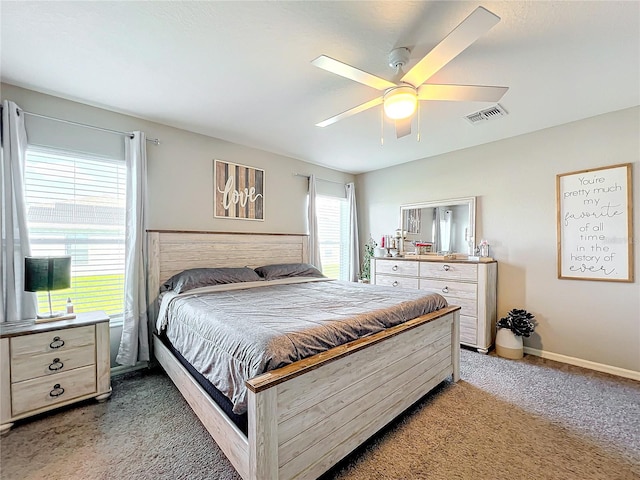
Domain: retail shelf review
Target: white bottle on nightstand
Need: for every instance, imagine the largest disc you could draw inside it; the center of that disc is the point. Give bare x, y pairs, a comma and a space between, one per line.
69, 306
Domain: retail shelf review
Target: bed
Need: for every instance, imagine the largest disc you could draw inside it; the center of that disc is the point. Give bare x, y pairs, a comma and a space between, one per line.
306, 416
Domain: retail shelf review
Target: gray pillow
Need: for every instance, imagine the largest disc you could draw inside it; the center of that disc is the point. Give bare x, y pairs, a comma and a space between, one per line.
202, 277
285, 270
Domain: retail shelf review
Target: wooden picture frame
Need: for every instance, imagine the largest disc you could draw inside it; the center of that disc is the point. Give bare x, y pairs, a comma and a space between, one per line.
238, 191
412, 221
595, 224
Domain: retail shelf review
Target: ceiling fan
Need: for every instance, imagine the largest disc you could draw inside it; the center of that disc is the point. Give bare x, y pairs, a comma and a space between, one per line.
400, 99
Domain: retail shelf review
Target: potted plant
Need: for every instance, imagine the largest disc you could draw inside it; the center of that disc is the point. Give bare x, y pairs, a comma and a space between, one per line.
517, 324
365, 274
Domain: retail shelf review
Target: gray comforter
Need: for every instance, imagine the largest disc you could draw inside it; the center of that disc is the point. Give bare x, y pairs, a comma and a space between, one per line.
233, 333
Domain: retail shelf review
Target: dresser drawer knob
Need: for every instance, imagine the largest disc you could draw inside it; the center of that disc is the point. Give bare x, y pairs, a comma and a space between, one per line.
57, 390
395, 283
394, 268
445, 290
446, 268
56, 365
57, 343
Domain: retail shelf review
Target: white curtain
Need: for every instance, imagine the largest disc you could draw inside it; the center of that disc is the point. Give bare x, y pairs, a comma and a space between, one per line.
15, 303
134, 344
354, 251
314, 242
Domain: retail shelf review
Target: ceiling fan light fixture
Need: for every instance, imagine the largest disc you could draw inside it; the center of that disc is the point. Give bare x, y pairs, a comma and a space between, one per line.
400, 98
400, 102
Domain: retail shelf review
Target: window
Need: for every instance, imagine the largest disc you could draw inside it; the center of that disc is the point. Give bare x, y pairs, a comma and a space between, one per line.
333, 236
76, 206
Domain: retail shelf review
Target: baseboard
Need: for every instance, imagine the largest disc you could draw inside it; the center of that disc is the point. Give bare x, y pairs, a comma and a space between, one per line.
120, 369
600, 367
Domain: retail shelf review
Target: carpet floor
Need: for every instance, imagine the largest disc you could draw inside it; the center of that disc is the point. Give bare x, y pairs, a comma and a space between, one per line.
505, 419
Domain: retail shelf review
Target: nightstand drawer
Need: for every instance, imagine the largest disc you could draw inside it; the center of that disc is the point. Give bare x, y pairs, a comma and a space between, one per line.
55, 341
450, 271
395, 267
400, 282
46, 391
27, 367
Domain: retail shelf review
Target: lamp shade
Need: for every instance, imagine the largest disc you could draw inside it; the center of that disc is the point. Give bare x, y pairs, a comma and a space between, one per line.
47, 273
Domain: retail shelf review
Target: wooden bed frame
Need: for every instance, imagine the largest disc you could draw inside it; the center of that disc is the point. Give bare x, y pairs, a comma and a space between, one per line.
307, 416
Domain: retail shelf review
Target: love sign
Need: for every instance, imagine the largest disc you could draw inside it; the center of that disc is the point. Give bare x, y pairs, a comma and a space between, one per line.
238, 191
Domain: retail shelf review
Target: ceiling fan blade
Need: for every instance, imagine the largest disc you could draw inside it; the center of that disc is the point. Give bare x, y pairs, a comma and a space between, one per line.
403, 127
352, 111
473, 27
334, 66
469, 93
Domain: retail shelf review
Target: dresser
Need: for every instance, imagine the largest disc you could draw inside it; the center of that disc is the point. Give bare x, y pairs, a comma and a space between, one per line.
471, 285
49, 365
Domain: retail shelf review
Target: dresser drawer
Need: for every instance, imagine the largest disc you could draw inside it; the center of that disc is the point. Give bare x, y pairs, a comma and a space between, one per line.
468, 329
46, 391
468, 306
451, 288
56, 341
453, 271
27, 367
395, 267
394, 281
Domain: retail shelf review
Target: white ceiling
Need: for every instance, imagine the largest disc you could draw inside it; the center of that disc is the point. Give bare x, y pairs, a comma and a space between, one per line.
241, 71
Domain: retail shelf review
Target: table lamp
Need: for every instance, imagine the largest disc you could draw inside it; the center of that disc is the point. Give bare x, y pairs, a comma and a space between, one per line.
47, 273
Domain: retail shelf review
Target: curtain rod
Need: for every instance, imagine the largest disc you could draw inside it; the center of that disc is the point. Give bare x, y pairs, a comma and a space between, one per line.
321, 179
155, 141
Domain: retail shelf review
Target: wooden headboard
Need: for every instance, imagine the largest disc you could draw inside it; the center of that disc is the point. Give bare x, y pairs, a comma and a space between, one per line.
170, 252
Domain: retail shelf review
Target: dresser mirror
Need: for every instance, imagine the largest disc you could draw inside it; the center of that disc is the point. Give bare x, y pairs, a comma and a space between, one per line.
441, 226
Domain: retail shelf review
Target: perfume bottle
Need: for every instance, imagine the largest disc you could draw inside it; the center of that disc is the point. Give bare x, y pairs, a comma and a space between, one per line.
484, 248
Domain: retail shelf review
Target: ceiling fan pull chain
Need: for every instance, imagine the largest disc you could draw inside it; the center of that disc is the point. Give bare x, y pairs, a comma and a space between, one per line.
418, 121
381, 126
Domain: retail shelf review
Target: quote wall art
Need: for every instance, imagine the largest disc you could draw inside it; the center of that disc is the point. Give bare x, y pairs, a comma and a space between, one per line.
595, 224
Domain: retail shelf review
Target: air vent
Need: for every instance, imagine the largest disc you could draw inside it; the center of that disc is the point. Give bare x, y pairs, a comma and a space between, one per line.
486, 114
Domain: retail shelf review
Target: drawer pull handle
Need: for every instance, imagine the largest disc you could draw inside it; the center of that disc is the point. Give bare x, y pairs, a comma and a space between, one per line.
395, 283
394, 268
445, 290
57, 390
57, 342
56, 365
446, 268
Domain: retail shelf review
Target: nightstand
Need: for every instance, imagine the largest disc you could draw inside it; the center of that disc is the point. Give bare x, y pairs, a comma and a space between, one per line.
49, 365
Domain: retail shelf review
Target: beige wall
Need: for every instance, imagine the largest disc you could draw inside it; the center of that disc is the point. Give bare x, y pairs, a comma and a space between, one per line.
514, 181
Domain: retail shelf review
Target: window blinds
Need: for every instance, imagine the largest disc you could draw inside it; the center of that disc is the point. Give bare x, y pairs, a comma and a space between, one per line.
333, 231
76, 206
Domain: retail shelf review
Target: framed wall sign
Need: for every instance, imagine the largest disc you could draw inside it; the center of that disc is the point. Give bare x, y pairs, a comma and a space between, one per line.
238, 191
412, 220
595, 224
